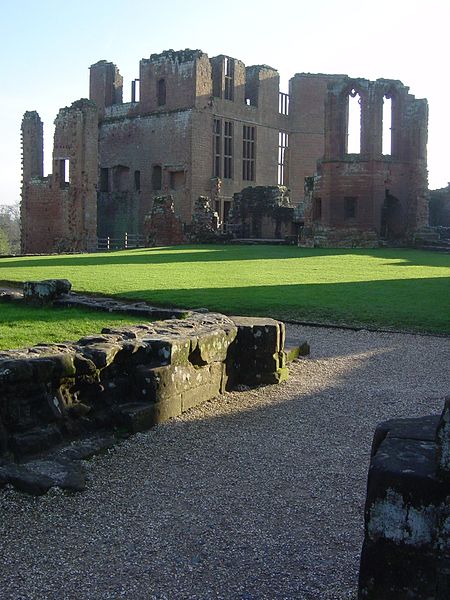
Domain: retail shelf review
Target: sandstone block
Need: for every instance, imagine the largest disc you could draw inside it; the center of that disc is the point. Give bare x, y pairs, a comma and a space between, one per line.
44, 292
443, 442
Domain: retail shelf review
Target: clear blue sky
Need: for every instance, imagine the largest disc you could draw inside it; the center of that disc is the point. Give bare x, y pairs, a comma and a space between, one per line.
48, 45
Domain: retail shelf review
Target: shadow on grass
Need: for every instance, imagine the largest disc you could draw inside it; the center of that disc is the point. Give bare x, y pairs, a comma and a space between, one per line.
412, 304
217, 253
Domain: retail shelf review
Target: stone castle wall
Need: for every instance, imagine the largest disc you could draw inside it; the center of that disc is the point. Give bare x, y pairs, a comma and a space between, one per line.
211, 127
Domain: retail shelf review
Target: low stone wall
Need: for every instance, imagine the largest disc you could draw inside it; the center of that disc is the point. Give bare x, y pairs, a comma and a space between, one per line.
124, 380
349, 237
406, 551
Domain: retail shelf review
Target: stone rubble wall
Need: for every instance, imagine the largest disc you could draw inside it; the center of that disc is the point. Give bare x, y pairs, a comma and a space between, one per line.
125, 380
162, 226
406, 551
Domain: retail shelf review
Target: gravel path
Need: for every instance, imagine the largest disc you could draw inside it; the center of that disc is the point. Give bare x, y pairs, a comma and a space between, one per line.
255, 495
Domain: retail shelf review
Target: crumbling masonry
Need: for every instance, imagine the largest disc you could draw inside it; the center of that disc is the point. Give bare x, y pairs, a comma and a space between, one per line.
197, 126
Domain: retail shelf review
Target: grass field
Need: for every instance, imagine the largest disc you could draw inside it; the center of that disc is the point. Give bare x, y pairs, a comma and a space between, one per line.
26, 326
398, 288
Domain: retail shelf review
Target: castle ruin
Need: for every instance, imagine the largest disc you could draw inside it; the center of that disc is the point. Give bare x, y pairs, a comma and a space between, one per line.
211, 127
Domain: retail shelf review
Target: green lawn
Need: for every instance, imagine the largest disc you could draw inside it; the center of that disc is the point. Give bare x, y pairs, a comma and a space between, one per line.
27, 326
400, 288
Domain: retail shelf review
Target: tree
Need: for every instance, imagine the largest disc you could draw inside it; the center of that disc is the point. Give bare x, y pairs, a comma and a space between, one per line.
10, 229
4, 244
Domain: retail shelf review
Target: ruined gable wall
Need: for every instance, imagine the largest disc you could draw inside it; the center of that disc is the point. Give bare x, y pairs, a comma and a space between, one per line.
57, 215
392, 187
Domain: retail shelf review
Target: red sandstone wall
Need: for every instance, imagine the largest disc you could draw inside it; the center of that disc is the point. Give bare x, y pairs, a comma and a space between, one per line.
139, 144
61, 216
307, 94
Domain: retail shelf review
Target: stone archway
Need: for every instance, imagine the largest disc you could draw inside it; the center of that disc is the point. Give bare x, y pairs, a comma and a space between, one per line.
393, 222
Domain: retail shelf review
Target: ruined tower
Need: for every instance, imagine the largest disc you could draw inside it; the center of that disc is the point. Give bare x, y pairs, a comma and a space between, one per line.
59, 212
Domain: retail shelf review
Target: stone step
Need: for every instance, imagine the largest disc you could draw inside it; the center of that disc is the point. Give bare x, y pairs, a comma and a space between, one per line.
294, 349
38, 476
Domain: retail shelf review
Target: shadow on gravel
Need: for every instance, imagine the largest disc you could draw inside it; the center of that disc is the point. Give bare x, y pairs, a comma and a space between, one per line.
254, 495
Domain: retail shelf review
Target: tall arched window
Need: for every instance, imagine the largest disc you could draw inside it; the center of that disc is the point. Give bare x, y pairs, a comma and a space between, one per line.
354, 123
161, 92
387, 125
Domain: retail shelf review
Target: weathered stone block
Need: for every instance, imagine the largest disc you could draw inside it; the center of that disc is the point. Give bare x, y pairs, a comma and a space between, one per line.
44, 292
213, 347
206, 391
406, 552
84, 366
397, 474
157, 384
293, 352
35, 440
387, 573
168, 351
85, 448
13, 371
101, 355
443, 441
259, 336
140, 417
419, 428
38, 476
63, 365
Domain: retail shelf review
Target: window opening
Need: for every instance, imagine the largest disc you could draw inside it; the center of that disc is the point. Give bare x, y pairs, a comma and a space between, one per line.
229, 78
137, 181
283, 143
217, 143
387, 126
104, 180
177, 179
135, 90
317, 209
226, 210
248, 153
156, 177
228, 150
349, 207
283, 103
161, 92
64, 172
354, 123
121, 178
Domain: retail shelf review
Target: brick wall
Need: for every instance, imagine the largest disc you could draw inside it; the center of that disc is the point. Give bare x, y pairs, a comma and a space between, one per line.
389, 192
60, 215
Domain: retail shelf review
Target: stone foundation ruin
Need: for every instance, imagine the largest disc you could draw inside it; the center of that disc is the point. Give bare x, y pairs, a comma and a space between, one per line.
60, 403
